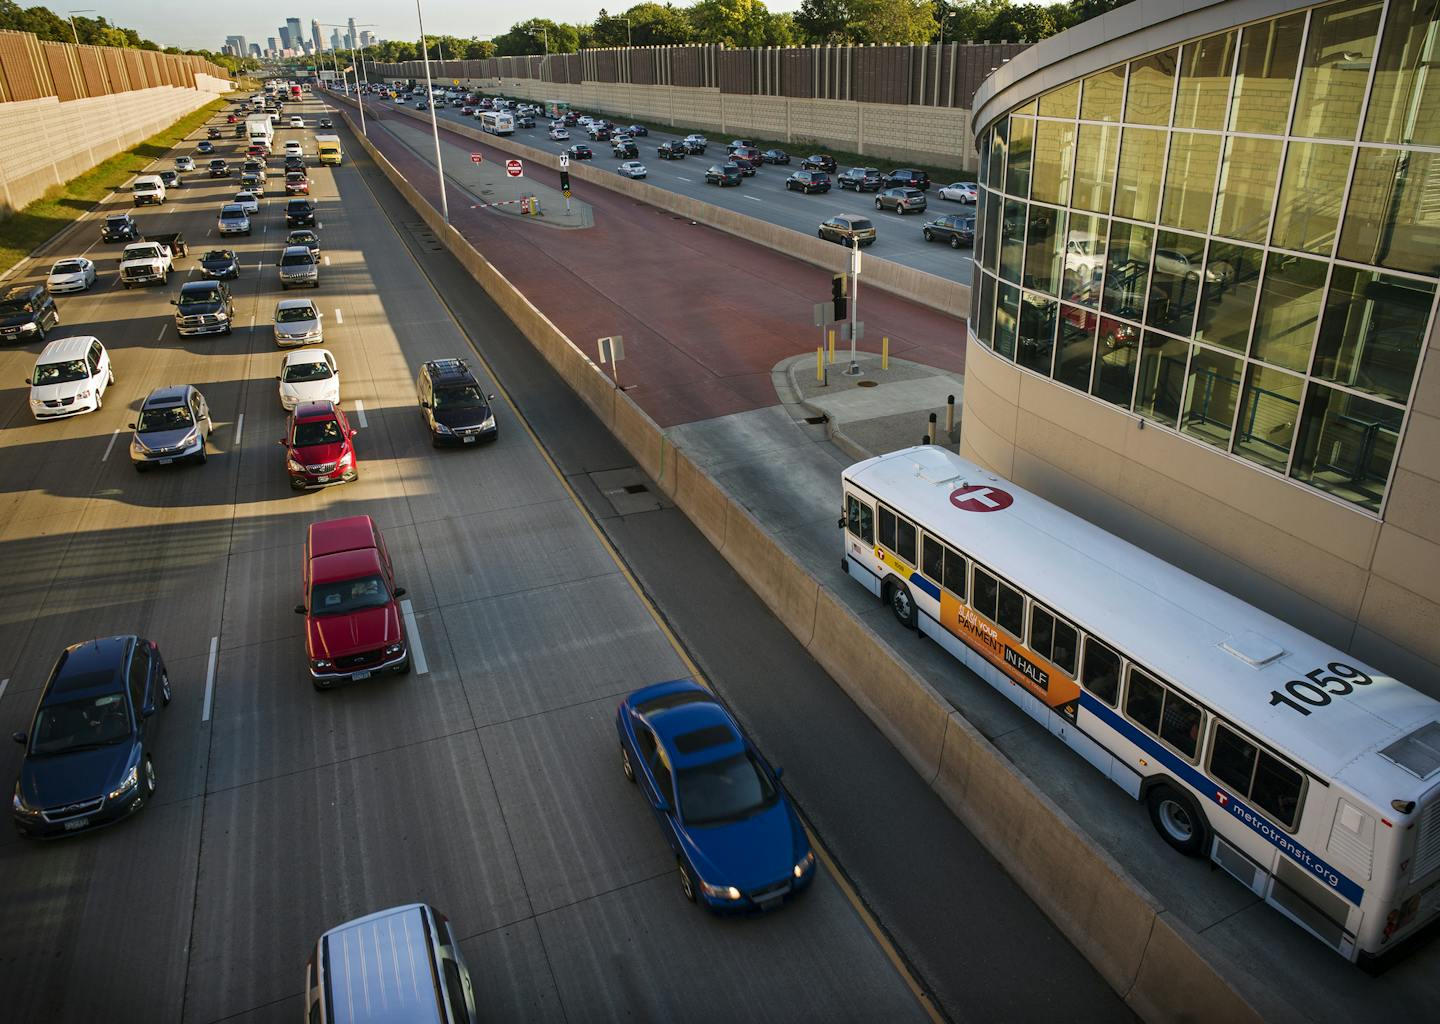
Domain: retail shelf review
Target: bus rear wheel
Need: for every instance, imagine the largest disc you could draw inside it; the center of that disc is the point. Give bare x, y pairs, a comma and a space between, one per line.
1178, 820
897, 596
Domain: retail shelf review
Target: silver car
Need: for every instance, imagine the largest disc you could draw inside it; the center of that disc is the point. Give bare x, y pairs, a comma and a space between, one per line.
632, 169
298, 266
298, 322
173, 425
234, 220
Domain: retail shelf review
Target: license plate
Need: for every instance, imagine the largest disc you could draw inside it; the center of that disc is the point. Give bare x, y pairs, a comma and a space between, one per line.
322, 479
78, 823
165, 462
469, 440
362, 674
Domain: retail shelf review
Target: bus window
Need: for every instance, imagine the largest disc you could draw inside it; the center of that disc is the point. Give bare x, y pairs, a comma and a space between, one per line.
1143, 701
1255, 775
932, 560
987, 591
898, 534
1233, 760
1180, 724
887, 528
1102, 671
859, 520
955, 573
1010, 614
1053, 639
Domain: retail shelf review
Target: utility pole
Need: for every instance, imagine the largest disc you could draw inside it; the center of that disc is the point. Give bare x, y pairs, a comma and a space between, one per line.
434, 124
853, 370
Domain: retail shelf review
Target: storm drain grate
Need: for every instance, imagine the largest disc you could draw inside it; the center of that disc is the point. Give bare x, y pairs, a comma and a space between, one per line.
815, 421
635, 488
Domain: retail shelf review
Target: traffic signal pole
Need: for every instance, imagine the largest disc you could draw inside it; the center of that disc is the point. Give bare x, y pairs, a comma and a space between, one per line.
853, 370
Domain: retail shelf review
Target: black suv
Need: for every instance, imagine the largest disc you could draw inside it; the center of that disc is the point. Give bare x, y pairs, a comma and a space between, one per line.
819, 162
299, 213
808, 181
861, 179
671, 151
220, 264
87, 754
904, 177
219, 168
455, 409
119, 227
204, 307
26, 311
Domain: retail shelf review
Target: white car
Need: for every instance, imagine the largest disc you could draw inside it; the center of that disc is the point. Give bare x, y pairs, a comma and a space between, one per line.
71, 275
70, 378
247, 200
961, 192
293, 148
298, 322
297, 122
632, 169
308, 375
184, 163
559, 134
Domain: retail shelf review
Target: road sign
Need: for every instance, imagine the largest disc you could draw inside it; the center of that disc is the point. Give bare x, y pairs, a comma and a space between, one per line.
564, 160
477, 158
514, 168
612, 350
859, 330
824, 314
567, 193
979, 498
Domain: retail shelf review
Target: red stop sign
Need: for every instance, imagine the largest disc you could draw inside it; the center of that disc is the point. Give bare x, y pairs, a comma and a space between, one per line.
514, 169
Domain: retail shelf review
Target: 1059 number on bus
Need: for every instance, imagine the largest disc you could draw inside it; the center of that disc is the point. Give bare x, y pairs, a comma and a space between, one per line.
1319, 687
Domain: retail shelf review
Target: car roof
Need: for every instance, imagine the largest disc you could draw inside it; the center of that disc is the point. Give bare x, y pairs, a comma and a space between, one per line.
350, 533
66, 348
164, 397
228, 254
200, 286
317, 410
294, 303
23, 291
91, 667
308, 355
298, 250
362, 961
718, 735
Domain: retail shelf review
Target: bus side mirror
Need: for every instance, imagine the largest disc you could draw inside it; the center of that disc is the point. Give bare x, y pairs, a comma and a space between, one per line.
840, 523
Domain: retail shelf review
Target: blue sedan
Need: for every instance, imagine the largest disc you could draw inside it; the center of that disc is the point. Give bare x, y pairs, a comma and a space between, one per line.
736, 839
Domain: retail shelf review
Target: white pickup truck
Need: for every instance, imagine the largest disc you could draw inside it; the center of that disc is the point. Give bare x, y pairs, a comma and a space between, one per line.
144, 262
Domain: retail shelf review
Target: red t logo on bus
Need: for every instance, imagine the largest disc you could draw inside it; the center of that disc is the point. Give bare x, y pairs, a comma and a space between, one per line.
979, 498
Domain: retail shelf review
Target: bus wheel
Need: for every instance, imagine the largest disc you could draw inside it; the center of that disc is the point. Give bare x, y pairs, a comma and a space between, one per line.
1178, 820
898, 597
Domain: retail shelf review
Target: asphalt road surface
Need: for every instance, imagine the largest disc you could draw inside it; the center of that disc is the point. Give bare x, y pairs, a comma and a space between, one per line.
488, 783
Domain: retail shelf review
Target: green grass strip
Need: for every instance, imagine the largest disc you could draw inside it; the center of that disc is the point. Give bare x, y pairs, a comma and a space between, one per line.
25, 231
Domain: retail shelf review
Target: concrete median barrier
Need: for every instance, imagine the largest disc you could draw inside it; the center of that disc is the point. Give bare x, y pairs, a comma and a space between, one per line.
1161, 968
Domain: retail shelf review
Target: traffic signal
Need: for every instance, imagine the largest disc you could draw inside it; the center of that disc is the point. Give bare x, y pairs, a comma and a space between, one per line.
837, 292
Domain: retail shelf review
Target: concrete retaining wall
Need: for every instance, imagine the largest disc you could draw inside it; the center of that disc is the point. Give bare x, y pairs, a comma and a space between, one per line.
1153, 961
44, 142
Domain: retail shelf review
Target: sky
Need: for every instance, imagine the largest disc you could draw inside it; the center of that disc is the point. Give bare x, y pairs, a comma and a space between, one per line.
197, 25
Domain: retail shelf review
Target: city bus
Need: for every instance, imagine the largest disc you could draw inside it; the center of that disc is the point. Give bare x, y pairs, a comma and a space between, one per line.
1311, 777
497, 123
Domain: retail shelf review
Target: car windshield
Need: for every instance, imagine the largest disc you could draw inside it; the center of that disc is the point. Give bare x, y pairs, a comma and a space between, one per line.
81, 724
68, 267
726, 790
297, 373
9, 307
302, 238
199, 296
859, 224
217, 256
465, 396
233, 211
296, 259
61, 373
175, 417
348, 596
317, 432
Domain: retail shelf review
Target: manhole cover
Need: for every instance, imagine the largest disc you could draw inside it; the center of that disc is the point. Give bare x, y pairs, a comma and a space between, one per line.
867, 384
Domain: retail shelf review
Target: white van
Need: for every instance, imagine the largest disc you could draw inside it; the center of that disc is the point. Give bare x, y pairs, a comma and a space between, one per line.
70, 377
148, 189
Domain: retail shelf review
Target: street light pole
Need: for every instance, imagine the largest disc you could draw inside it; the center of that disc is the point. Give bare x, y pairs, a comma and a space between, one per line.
434, 123
74, 31
359, 95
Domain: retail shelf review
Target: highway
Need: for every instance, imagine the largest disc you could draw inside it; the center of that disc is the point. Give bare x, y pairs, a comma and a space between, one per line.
486, 783
898, 237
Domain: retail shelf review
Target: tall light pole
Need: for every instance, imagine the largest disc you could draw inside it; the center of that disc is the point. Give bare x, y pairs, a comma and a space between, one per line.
629, 35
358, 71
73, 29
434, 124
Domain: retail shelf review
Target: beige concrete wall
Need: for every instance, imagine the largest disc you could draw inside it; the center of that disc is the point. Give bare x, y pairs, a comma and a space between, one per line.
44, 142
1367, 586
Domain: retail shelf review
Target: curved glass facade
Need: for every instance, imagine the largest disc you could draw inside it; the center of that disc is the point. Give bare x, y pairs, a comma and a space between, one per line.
1237, 238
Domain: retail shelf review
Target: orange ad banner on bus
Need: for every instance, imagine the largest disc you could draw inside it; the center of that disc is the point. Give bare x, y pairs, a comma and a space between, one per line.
1057, 690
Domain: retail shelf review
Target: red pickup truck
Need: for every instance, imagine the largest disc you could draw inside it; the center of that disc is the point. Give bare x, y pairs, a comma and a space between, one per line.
353, 627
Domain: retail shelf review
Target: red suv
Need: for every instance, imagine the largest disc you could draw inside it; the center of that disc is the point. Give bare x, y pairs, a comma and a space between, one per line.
353, 627
319, 448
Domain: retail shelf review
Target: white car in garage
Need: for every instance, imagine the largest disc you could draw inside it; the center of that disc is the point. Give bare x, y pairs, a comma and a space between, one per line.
308, 375
71, 275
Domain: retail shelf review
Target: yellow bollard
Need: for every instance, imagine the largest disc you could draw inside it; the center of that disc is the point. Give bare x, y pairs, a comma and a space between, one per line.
832, 346
885, 352
820, 363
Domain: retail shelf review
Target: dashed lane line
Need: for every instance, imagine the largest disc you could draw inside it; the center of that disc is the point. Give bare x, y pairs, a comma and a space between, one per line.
339, 318
210, 679
110, 446
360, 414
412, 630
239, 429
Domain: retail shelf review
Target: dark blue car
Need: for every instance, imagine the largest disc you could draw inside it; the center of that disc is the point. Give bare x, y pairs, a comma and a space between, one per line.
735, 836
87, 754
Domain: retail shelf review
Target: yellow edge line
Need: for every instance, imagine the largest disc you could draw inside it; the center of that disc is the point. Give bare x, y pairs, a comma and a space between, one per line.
871, 924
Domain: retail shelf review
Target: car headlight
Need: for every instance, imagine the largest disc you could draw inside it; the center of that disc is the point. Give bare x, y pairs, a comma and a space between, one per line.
129, 782
441, 428
489, 423
190, 438
138, 445
294, 466
222, 315
394, 649
720, 892
27, 327
319, 663
21, 807
346, 459
806, 863
83, 395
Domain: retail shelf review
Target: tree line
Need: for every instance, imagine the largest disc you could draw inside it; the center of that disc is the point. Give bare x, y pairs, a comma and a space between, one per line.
48, 25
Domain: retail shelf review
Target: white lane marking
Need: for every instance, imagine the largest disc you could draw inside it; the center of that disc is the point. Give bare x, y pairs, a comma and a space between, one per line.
210, 679
360, 413
412, 630
239, 429
207, 232
681, 178
161, 335
752, 199
319, 225
4, 683
111, 445
339, 318
327, 261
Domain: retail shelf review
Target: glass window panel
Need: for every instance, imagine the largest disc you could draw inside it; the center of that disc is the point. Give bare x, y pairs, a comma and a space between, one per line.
1127, 270
1180, 725
1405, 99
1060, 102
1144, 698
982, 146
1100, 95
1010, 613
1102, 671
987, 593
1265, 75
1311, 191
982, 199
1007, 310
887, 528
1175, 280
1277, 790
1054, 155
1084, 258
1115, 368
1152, 85
1373, 331
1037, 332
1211, 390
1042, 631
1017, 177
1162, 379
932, 558
1137, 192
905, 539
991, 240
1190, 181
1095, 167
1338, 53
1247, 188
1269, 410
1044, 249
955, 573
999, 153
987, 309
1067, 646
1393, 218
1076, 348
1205, 81
1346, 444
1012, 240
1028, 108
1289, 311
1232, 760
1227, 302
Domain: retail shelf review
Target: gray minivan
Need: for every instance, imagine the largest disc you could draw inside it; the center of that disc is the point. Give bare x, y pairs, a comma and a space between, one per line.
401, 964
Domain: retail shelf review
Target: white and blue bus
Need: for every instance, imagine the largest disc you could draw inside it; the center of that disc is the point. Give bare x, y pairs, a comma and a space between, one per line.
1311, 777
497, 123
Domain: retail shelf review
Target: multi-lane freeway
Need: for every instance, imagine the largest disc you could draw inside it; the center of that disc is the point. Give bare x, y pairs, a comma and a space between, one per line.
487, 782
